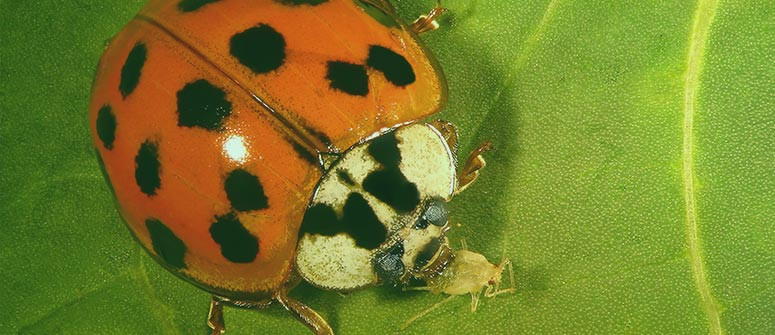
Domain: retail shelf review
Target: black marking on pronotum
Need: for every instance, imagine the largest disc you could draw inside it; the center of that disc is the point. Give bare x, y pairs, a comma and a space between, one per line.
260, 48
106, 126
426, 253
202, 104
148, 168
296, 134
358, 220
385, 150
187, 6
388, 184
391, 187
132, 69
245, 191
395, 67
345, 177
388, 264
349, 78
166, 244
238, 245
301, 2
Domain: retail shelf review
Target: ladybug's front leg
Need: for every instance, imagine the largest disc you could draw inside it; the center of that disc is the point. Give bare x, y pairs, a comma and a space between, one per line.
426, 23
473, 165
215, 317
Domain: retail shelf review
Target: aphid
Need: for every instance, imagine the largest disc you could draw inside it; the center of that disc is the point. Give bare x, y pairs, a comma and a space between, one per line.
464, 272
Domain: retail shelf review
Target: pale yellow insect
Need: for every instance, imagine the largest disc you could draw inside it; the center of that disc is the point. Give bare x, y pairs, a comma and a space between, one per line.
465, 272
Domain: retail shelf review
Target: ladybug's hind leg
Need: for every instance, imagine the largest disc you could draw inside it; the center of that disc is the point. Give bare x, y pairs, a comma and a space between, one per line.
215, 316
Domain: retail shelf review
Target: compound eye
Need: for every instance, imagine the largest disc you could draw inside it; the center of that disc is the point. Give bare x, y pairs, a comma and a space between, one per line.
388, 264
435, 213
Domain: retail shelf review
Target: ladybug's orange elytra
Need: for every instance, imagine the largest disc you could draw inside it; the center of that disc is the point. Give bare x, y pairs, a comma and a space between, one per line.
214, 120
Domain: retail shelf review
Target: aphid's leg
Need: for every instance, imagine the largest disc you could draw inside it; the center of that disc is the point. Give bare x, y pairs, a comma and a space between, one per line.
505, 262
475, 300
417, 288
492, 293
496, 292
463, 244
303, 313
427, 22
511, 288
421, 314
215, 316
511, 275
473, 165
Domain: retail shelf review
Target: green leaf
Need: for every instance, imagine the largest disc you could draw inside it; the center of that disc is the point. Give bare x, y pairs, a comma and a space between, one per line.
633, 180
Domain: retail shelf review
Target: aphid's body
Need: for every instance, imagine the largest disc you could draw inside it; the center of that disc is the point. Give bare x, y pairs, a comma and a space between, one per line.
247, 141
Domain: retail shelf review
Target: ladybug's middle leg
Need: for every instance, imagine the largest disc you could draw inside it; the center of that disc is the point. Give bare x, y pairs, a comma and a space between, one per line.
303, 313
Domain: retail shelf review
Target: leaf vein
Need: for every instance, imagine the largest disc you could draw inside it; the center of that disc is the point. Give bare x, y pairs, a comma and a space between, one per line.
160, 309
703, 17
526, 51
69, 304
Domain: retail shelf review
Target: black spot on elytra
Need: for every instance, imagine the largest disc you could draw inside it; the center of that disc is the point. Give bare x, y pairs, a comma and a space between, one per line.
395, 67
166, 244
238, 245
193, 5
301, 2
260, 48
391, 187
148, 168
245, 191
133, 67
349, 78
388, 264
345, 177
202, 104
388, 184
358, 220
378, 14
426, 253
106, 126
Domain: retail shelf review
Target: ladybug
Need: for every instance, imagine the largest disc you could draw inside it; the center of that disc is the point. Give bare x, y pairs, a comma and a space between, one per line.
251, 144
